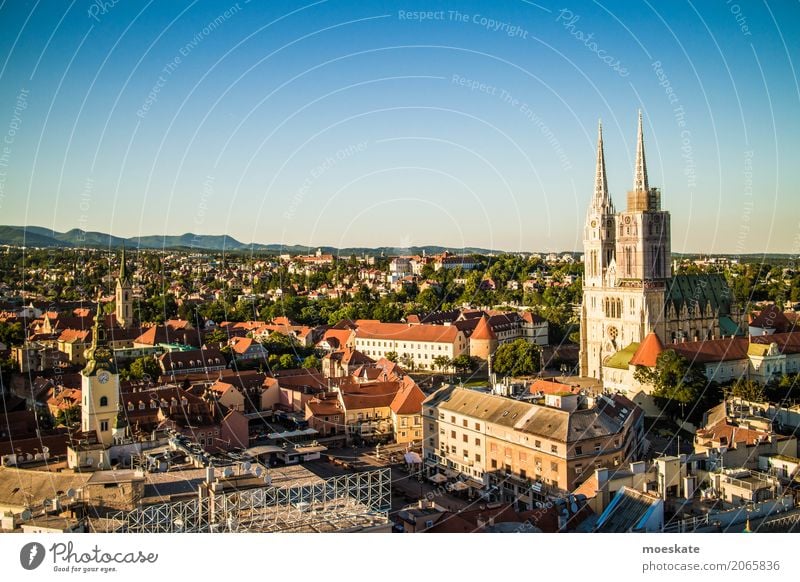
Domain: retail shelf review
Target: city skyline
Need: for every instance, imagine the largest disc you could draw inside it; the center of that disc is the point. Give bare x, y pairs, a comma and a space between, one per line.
334, 124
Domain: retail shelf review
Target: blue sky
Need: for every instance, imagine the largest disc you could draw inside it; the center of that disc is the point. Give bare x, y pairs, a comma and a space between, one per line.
359, 123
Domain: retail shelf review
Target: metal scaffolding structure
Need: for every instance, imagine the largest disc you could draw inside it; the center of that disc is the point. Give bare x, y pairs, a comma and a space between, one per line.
346, 502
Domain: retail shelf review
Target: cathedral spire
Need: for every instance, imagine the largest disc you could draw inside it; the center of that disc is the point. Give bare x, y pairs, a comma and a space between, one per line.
601, 199
640, 174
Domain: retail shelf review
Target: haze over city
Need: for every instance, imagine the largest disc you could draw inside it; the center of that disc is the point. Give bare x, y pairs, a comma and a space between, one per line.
374, 124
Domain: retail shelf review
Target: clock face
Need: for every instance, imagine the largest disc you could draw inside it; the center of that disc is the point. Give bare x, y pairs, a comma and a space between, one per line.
103, 377
594, 223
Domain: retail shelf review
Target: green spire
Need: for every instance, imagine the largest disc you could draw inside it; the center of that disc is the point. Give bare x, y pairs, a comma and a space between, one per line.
123, 272
99, 355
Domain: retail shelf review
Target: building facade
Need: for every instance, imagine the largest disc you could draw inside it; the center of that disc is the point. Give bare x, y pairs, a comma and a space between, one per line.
628, 286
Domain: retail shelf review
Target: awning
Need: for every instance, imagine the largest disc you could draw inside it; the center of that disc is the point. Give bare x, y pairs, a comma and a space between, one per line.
460, 486
475, 484
438, 478
450, 474
412, 458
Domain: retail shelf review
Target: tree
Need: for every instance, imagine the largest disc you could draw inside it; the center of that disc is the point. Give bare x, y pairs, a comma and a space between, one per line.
747, 390
463, 363
517, 358
441, 363
145, 365
287, 361
216, 337
12, 334
391, 356
311, 361
675, 382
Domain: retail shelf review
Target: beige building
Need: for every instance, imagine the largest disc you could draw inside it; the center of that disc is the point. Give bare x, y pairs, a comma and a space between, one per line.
422, 343
519, 449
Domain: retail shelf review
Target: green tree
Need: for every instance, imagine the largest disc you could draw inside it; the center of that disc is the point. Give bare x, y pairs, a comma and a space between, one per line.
747, 389
391, 356
441, 363
463, 363
675, 382
311, 361
517, 358
287, 361
145, 365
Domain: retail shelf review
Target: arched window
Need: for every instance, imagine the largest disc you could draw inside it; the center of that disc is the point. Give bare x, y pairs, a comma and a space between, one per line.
104, 401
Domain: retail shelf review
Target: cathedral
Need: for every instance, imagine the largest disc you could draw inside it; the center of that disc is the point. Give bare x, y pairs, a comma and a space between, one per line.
629, 289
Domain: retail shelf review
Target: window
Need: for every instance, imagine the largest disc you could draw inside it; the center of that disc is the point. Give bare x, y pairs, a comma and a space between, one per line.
537, 444
478, 442
522, 474
597, 448
494, 463
553, 449
452, 434
465, 438
466, 454
578, 450
104, 401
493, 447
465, 422
103, 425
523, 457
453, 419
477, 458
477, 426
554, 466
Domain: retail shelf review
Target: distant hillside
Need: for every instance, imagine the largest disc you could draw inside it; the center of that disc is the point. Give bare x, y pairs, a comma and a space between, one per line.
37, 236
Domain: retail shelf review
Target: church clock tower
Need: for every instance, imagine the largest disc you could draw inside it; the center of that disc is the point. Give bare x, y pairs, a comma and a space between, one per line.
100, 386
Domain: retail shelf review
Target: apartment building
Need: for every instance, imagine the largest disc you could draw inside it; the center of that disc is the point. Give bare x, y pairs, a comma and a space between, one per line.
519, 450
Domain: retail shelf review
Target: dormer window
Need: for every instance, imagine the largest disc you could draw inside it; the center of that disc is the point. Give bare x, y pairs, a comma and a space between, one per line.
130, 405
141, 405
153, 404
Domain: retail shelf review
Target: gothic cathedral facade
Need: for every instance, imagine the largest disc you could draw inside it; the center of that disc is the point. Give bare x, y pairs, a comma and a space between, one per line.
627, 260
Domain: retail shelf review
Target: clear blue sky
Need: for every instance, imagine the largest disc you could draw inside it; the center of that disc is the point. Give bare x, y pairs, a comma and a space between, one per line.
355, 123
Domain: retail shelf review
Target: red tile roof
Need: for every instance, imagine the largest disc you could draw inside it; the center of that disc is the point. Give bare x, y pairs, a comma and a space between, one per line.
483, 331
408, 399
648, 351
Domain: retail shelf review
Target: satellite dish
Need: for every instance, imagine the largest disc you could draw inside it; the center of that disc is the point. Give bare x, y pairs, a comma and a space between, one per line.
45, 449
574, 507
228, 472
70, 492
247, 465
89, 461
267, 479
258, 471
26, 515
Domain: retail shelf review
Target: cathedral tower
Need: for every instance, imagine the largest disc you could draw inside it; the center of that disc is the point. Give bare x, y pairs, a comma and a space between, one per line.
626, 264
124, 297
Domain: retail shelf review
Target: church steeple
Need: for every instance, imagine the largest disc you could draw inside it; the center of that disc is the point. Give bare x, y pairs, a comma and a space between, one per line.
640, 173
124, 296
601, 200
123, 271
98, 355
